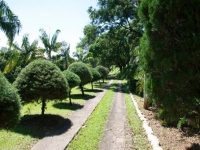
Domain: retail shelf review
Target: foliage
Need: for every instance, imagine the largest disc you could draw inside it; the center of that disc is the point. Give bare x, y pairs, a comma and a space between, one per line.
82, 71
72, 78
22, 55
10, 104
41, 80
170, 56
95, 74
103, 71
9, 22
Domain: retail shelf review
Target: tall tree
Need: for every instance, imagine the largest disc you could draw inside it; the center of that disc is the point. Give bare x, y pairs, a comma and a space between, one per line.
50, 44
9, 22
170, 50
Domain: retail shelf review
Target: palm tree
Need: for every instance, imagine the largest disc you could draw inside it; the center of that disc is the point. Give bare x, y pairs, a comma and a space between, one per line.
9, 22
50, 44
22, 55
64, 54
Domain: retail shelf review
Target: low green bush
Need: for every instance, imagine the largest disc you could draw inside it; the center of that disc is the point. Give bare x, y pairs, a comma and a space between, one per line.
10, 104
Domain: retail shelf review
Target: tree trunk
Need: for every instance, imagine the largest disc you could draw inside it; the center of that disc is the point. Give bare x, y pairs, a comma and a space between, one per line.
81, 86
43, 106
92, 85
145, 105
70, 101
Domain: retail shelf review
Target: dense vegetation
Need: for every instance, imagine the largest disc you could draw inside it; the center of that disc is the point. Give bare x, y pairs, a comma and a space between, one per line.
170, 57
153, 43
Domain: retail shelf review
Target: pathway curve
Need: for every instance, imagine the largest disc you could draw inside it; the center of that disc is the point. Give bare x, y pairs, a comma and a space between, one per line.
115, 136
57, 141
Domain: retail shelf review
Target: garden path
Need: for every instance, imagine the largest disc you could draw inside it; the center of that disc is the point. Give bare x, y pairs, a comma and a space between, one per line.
57, 141
116, 136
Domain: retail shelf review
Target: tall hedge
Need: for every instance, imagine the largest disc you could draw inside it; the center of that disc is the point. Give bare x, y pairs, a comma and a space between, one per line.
73, 81
41, 80
82, 71
10, 104
170, 50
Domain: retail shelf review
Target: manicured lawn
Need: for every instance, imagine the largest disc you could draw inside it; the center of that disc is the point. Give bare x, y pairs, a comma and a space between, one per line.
33, 128
91, 134
139, 137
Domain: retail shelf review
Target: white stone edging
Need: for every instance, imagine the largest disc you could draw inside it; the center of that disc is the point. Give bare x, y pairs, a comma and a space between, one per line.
152, 138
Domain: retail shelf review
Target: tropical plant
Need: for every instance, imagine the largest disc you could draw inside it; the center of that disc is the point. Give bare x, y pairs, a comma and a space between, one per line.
73, 81
22, 55
82, 71
50, 44
10, 104
40, 81
9, 22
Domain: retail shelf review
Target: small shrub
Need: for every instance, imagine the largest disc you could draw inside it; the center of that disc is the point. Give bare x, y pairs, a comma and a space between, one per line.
10, 104
103, 71
95, 74
82, 71
72, 79
41, 80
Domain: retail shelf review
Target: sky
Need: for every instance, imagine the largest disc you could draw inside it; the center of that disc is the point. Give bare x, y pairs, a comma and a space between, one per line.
69, 16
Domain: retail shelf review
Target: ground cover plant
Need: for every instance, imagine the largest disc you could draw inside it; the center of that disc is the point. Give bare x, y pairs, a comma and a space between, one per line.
91, 134
139, 136
30, 130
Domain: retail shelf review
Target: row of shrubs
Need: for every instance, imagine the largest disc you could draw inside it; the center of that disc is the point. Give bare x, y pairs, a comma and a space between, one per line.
40, 81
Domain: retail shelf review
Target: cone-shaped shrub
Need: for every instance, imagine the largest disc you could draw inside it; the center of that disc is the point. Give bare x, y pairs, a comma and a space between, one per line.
72, 79
82, 71
10, 104
95, 74
41, 80
103, 71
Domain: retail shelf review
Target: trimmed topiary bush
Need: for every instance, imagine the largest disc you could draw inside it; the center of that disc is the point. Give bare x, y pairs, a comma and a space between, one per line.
82, 71
73, 81
41, 80
103, 71
96, 76
10, 104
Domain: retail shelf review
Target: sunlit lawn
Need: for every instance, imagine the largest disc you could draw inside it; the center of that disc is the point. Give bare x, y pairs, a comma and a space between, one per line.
32, 127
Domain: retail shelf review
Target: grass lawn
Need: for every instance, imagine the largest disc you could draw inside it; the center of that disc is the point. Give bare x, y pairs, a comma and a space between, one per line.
90, 135
32, 128
139, 136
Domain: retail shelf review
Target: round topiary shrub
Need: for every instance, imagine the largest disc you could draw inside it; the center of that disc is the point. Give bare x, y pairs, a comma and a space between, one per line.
95, 74
82, 71
41, 80
10, 104
73, 81
103, 71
